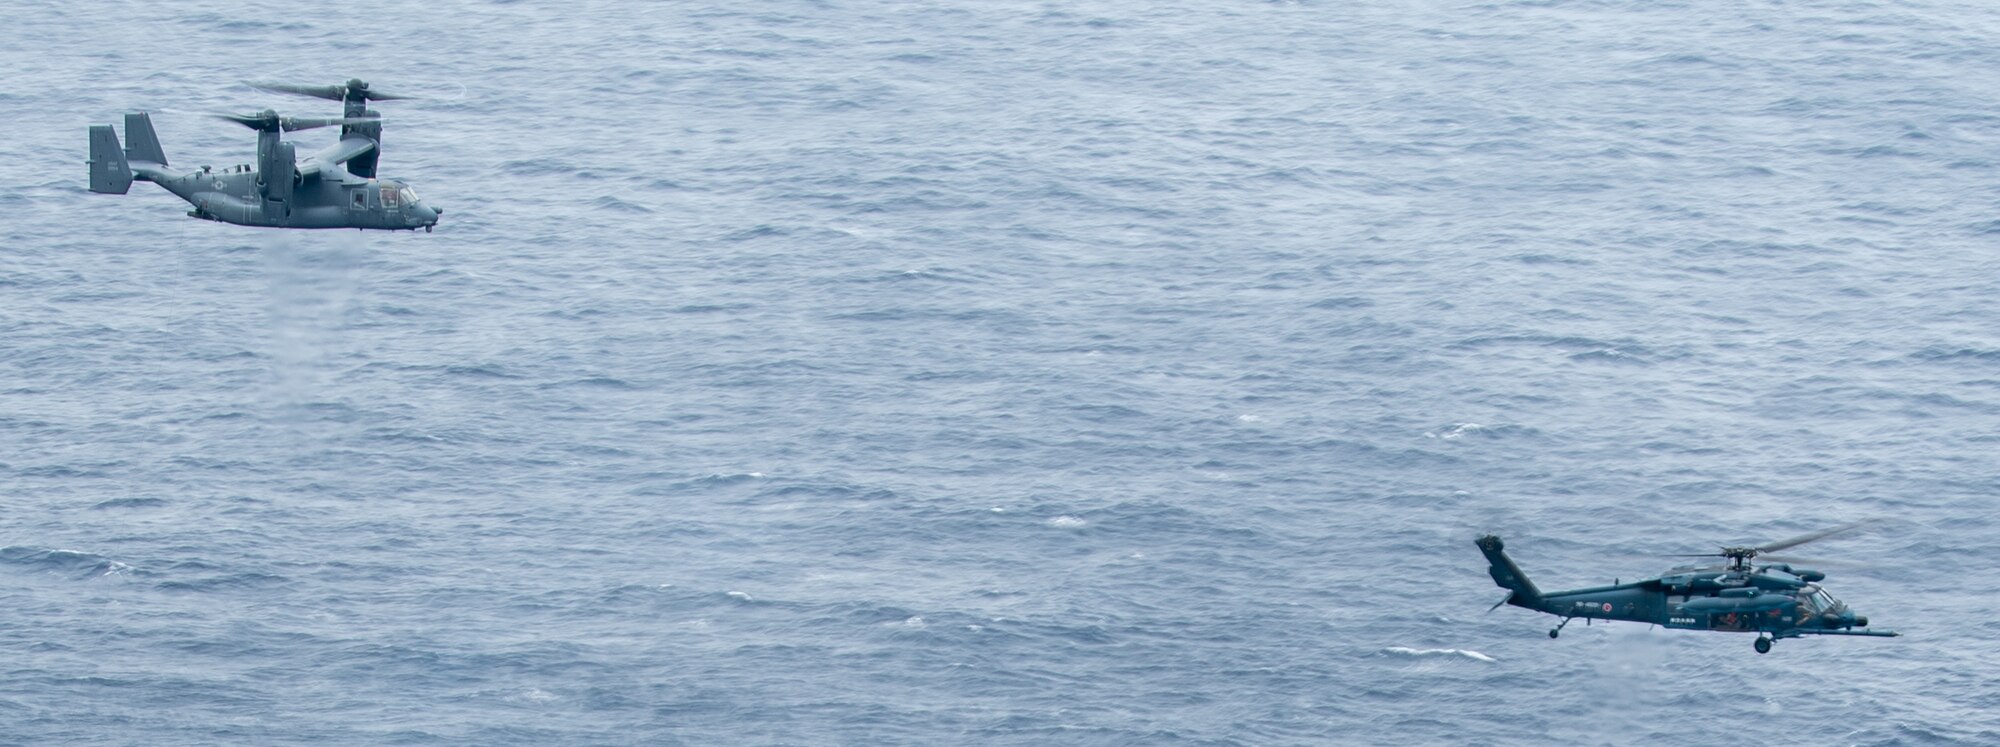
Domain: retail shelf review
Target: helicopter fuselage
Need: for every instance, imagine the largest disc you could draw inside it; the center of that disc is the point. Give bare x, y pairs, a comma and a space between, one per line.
1774, 601
234, 195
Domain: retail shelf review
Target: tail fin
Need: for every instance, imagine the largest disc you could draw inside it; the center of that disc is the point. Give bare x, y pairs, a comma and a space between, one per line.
140, 142
109, 173
1507, 575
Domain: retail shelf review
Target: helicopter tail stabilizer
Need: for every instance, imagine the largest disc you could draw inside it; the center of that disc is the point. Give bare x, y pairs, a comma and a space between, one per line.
109, 173
140, 142
1508, 576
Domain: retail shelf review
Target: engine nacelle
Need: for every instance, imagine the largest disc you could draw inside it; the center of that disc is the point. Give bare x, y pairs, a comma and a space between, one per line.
278, 172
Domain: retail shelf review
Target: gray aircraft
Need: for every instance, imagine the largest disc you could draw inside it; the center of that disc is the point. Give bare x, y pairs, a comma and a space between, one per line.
334, 188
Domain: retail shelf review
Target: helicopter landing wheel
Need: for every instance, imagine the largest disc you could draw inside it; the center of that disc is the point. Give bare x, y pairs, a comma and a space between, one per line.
1553, 632
1763, 645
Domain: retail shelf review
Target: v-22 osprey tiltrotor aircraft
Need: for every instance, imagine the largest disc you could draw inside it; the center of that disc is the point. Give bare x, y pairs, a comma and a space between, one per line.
280, 191
1775, 600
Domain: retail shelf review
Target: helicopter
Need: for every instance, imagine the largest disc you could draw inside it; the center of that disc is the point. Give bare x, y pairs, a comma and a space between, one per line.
334, 188
1776, 601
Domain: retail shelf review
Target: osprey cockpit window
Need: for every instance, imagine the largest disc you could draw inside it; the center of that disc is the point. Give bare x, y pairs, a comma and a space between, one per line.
409, 195
389, 195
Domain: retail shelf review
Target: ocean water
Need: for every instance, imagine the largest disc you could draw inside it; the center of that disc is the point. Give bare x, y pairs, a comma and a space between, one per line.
1010, 373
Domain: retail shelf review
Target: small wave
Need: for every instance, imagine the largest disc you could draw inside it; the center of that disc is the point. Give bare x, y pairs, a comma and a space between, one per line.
1342, 302
130, 503
710, 308
1550, 259
248, 580
1609, 355
608, 202
536, 167
72, 563
595, 382
1457, 431
1067, 522
1418, 652
1947, 353
481, 370
1454, 431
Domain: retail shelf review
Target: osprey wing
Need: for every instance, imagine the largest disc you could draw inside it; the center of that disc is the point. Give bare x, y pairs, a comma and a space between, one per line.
329, 159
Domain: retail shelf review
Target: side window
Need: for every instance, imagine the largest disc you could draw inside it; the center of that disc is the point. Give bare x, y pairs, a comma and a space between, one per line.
358, 199
388, 196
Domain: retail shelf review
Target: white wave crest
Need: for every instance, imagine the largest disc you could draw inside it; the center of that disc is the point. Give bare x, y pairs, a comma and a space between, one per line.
1467, 653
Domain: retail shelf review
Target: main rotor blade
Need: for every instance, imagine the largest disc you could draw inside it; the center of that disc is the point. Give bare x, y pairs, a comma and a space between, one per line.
335, 93
255, 123
1804, 538
266, 121
1813, 563
295, 123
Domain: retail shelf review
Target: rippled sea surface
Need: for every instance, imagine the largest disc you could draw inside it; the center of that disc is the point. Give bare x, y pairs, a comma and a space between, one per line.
1013, 373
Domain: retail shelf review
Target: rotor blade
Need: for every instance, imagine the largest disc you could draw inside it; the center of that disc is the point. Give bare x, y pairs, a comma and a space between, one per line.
300, 123
325, 92
1804, 538
1503, 600
1814, 563
334, 92
267, 121
250, 122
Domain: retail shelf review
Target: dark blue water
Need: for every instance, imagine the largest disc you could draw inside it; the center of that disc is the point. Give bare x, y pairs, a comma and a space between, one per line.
829, 373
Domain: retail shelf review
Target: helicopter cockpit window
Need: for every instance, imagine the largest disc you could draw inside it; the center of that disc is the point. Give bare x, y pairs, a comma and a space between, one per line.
1825, 600
388, 195
409, 196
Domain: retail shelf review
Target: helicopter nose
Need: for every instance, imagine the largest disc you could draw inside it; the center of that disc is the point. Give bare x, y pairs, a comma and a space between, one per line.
424, 217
